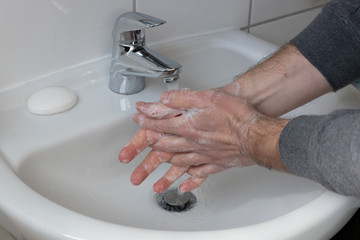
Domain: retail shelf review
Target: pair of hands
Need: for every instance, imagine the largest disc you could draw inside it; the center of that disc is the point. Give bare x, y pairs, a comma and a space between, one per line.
204, 132
197, 132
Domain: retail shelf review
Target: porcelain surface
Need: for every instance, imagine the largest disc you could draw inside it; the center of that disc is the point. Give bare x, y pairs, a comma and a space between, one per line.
60, 177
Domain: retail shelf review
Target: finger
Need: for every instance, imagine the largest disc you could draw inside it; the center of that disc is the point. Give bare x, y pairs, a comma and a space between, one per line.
157, 110
170, 126
169, 178
198, 175
146, 167
191, 183
190, 159
174, 143
186, 99
141, 140
205, 170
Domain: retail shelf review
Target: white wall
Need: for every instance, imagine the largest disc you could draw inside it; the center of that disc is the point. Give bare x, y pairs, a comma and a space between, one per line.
188, 17
42, 36
278, 21
39, 37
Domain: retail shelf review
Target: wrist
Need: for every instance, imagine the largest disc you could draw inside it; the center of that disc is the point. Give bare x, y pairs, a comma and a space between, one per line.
262, 141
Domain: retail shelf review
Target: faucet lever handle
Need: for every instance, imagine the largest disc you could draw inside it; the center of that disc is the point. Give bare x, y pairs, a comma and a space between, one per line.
129, 27
132, 21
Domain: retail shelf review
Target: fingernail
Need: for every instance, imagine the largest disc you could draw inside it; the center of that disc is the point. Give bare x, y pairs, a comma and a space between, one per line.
123, 157
157, 189
139, 105
139, 119
135, 179
182, 189
125, 152
165, 97
124, 161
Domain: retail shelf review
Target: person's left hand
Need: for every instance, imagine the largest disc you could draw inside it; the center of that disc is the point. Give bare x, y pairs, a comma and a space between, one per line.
198, 132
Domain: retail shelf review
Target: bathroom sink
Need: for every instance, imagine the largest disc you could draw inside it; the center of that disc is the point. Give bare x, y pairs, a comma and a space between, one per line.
60, 177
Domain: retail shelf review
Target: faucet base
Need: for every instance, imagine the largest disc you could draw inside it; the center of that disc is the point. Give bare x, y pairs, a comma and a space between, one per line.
127, 85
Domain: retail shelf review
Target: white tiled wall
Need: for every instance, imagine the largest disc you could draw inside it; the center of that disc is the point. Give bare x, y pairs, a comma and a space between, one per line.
278, 21
188, 17
264, 10
284, 29
39, 37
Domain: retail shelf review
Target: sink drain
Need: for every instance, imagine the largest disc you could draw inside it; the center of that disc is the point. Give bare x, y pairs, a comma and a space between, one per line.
174, 201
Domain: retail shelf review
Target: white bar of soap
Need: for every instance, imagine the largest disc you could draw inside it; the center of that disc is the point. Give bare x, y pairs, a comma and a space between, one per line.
51, 100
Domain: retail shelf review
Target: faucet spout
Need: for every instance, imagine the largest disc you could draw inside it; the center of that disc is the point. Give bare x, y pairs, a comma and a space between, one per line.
132, 61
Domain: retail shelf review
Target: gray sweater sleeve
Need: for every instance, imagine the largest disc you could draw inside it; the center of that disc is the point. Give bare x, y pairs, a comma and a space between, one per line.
332, 42
327, 148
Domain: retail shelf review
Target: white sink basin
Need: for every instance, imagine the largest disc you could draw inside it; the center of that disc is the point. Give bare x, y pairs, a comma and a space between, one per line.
60, 177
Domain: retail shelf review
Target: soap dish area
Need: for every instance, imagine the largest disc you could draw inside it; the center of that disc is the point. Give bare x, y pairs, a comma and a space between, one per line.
51, 100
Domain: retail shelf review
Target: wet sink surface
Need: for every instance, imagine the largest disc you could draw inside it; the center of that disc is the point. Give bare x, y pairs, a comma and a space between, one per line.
88, 179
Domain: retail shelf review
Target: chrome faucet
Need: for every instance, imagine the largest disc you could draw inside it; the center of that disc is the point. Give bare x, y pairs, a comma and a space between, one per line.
132, 61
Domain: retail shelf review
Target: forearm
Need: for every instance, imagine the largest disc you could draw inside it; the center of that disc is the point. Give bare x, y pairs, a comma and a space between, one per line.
281, 83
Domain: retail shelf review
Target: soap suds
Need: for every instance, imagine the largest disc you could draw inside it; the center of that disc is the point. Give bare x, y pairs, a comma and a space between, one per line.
159, 111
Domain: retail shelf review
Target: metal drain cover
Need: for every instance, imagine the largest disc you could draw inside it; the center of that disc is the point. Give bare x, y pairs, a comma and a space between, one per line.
174, 201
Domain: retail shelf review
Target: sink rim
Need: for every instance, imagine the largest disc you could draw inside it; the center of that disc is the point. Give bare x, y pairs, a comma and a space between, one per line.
39, 218
76, 226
